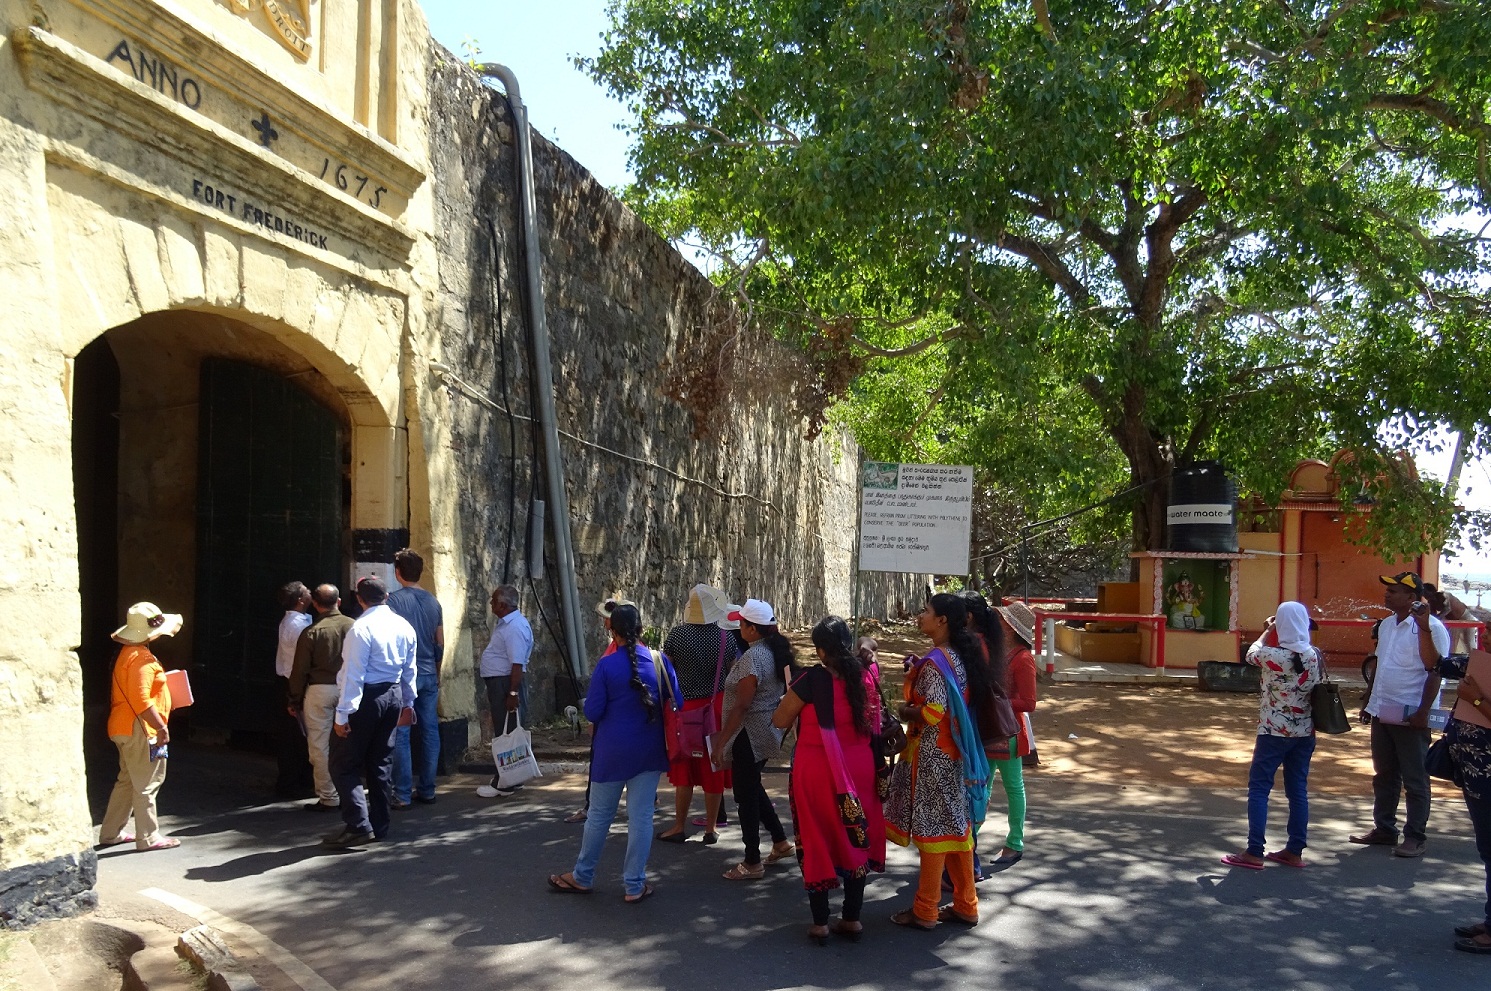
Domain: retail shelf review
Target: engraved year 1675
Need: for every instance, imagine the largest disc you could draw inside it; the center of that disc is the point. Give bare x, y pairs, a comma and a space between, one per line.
349, 181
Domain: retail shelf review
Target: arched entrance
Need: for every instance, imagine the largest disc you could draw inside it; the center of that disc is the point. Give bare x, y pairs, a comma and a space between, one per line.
211, 464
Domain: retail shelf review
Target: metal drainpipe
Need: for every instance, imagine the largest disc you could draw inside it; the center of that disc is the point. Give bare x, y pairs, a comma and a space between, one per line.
543, 376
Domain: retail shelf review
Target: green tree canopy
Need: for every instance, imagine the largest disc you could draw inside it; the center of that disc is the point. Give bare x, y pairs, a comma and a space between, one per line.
1082, 239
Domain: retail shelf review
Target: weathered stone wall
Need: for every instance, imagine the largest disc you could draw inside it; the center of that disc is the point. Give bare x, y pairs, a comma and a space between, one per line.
750, 506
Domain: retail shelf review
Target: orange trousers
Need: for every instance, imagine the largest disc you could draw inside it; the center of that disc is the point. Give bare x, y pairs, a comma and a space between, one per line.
929, 885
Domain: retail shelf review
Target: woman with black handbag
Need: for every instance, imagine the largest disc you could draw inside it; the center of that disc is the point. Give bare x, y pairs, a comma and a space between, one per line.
1289, 667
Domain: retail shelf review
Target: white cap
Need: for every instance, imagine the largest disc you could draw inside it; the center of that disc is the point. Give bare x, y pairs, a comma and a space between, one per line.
756, 612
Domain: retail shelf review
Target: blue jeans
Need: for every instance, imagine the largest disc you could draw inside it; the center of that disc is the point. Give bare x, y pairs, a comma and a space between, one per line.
605, 796
1268, 753
426, 730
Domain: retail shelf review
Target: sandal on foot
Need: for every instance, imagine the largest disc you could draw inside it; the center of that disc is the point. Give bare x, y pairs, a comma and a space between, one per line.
1238, 860
565, 885
130, 838
1286, 857
851, 931
908, 918
1474, 944
949, 914
164, 843
678, 837
777, 853
745, 872
647, 892
579, 815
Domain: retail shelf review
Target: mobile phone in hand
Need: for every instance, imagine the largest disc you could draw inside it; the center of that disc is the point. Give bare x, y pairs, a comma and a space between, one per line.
159, 751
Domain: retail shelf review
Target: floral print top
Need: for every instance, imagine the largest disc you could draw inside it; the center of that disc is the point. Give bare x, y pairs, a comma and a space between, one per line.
1284, 704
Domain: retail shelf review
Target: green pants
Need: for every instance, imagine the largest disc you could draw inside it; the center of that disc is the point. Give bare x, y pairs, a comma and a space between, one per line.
1011, 772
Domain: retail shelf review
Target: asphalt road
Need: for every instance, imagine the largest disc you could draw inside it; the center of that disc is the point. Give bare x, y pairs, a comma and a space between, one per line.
1121, 889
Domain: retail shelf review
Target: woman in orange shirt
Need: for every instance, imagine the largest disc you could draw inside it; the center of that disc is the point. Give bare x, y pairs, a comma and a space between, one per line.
140, 705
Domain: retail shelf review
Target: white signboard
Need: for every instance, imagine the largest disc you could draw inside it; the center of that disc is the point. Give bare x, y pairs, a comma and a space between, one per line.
915, 518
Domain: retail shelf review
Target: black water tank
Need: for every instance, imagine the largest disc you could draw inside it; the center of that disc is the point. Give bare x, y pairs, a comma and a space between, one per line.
1202, 513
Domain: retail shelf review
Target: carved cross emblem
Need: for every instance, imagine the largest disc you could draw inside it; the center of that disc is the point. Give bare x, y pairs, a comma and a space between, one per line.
267, 133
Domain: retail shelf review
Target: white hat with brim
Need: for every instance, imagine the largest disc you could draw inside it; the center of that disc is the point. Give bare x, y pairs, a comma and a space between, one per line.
606, 606
756, 612
728, 620
145, 622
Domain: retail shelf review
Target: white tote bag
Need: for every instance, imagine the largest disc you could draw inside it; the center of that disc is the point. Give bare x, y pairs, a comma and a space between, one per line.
513, 754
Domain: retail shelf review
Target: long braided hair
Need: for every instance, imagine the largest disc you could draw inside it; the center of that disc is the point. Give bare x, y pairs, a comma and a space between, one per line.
626, 625
832, 636
952, 608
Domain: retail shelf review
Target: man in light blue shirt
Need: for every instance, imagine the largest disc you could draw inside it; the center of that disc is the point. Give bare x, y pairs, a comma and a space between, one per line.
503, 665
376, 693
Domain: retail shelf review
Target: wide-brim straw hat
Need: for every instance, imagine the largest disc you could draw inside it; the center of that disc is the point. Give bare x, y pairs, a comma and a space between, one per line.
1021, 619
704, 607
145, 622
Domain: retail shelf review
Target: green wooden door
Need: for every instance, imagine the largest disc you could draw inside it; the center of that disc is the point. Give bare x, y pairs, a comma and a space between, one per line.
269, 510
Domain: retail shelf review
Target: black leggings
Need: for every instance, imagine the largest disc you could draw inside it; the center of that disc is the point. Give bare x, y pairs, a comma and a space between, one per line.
854, 900
752, 804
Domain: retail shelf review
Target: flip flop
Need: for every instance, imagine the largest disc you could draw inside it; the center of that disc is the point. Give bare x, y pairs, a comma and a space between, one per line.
1282, 857
949, 914
907, 918
166, 843
579, 815
121, 838
565, 885
741, 872
647, 892
1006, 859
1233, 860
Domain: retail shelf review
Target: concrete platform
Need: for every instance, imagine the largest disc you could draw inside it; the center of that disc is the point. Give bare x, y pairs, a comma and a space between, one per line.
1069, 668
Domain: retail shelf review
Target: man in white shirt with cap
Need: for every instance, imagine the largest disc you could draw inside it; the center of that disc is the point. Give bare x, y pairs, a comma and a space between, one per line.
1410, 644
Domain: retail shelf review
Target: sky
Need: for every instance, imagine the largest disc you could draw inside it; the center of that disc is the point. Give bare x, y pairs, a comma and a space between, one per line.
538, 41
565, 106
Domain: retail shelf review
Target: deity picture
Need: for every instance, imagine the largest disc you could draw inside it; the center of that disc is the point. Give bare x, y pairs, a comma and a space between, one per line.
1183, 600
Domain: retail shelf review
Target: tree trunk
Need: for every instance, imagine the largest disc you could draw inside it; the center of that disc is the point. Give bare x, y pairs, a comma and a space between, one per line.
1150, 463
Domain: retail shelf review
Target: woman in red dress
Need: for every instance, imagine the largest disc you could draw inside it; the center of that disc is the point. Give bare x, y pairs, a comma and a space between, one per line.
836, 707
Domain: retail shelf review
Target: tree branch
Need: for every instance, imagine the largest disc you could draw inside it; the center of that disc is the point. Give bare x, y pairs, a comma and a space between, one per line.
959, 332
1046, 259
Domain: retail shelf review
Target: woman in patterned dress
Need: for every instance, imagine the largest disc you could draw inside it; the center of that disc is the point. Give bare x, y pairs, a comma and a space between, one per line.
1289, 667
928, 806
836, 708
753, 689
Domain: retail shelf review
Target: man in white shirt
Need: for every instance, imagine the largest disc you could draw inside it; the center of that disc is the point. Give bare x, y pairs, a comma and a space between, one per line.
294, 779
503, 665
376, 692
1410, 644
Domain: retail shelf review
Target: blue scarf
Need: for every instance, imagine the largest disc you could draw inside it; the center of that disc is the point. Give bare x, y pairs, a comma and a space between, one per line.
965, 734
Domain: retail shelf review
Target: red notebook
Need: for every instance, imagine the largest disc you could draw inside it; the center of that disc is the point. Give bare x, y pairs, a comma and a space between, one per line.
181, 688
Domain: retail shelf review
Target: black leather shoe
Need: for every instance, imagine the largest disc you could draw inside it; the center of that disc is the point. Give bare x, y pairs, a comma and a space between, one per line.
347, 838
425, 801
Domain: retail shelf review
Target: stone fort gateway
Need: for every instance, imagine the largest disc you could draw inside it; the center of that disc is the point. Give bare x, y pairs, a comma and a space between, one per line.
270, 318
